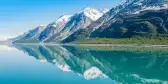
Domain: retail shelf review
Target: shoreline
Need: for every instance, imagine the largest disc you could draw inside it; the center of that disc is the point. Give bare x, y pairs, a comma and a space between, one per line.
93, 45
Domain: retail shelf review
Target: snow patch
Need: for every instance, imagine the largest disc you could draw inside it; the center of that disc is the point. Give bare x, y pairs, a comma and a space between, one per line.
154, 8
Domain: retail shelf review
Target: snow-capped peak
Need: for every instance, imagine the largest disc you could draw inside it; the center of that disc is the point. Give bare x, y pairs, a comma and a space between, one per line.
92, 13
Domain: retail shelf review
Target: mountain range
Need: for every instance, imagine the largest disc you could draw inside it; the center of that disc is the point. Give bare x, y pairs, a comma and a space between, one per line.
129, 19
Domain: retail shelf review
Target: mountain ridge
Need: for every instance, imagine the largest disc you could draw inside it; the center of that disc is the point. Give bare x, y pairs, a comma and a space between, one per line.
135, 17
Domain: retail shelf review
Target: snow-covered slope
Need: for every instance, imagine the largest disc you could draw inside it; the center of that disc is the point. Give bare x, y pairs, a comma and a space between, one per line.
54, 27
137, 6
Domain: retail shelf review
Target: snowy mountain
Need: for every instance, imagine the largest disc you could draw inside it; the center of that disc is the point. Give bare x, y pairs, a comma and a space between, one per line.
77, 21
63, 27
139, 17
86, 32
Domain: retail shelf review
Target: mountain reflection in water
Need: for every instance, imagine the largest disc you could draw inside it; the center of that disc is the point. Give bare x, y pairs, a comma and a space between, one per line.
122, 66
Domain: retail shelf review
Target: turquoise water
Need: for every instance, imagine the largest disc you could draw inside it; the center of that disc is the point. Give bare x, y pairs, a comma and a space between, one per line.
29, 64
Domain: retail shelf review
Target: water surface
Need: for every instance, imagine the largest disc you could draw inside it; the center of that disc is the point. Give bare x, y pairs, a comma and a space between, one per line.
41, 64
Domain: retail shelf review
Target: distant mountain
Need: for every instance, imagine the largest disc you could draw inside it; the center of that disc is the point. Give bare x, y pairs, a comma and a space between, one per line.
30, 36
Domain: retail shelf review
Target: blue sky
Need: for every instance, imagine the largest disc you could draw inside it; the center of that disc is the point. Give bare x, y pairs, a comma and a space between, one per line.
18, 16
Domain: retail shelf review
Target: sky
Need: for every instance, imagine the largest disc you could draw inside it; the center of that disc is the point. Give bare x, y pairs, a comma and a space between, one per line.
19, 16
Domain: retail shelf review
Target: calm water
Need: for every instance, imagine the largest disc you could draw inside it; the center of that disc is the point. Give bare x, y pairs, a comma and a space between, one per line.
29, 64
